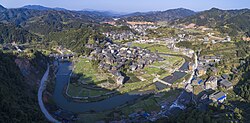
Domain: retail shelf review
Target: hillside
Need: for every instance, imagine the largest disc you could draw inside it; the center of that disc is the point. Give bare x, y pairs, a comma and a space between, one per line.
18, 100
46, 21
101, 16
76, 39
42, 8
2, 8
10, 33
167, 15
227, 21
55, 21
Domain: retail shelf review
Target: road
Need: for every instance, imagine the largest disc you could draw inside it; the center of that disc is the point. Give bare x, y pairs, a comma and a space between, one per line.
40, 96
184, 94
195, 67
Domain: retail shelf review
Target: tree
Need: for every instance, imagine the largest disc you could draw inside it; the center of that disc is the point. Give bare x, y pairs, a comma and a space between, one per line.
210, 72
207, 118
222, 107
200, 120
18, 101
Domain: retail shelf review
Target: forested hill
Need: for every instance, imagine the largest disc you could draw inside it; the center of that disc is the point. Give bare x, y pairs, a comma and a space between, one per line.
227, 21
44, 22
18, 101
42, 8
10, 33
243, 87
167, 15
2, 8
76, 39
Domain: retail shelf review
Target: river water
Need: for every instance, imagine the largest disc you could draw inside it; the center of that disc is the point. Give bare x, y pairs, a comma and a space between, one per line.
62, 79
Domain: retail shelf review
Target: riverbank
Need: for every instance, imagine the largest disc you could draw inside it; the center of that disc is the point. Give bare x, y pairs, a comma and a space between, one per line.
63, 78
113, 103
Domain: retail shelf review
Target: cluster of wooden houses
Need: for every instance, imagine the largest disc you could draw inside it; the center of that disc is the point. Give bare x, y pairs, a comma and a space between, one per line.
207, 63
114, 57
124, 35
212, 82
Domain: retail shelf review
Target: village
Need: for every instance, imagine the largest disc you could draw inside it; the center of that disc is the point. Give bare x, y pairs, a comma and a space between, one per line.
207, 85
206, 65
125, 61
138, 52
114, 58
118, 59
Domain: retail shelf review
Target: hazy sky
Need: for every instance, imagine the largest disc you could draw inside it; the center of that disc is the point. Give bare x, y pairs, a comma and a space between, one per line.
131, 5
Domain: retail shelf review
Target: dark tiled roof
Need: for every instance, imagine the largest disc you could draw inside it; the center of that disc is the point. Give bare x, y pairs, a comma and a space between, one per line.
172, 78
226, 83
160, 86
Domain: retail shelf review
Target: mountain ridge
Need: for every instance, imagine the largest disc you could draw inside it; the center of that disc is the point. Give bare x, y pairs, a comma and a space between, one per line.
227, 21
42, 8
166, 15
2, 8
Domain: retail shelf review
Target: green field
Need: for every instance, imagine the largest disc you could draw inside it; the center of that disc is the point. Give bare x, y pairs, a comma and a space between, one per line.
128, 87
169, 60
161, 67
89, 73
150, 73
162, 32
76, 90
154, 47
148, 104
92, 75
151, 103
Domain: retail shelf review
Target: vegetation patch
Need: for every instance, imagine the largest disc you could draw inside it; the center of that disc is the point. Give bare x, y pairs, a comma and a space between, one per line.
89, 72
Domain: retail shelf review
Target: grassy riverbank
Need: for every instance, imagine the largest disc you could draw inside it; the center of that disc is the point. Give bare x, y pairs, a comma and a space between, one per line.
148, 104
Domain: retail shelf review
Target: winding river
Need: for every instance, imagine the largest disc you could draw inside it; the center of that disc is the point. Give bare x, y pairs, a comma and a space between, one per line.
63, 78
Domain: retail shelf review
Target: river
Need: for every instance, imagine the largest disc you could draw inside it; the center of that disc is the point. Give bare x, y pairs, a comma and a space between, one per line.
62, 79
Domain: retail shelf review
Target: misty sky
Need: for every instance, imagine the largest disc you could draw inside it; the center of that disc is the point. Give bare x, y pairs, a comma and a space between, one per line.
131, 5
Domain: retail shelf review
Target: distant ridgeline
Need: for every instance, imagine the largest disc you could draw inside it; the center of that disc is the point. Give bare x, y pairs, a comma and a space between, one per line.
168, 15
72, 29
43, 22
18, 99
233, 22
38, 20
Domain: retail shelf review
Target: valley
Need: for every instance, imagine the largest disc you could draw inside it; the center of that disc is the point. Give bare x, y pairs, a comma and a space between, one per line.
89, 66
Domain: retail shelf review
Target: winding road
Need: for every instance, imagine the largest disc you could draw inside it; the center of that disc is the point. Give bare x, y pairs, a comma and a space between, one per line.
40, 96
195, 67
